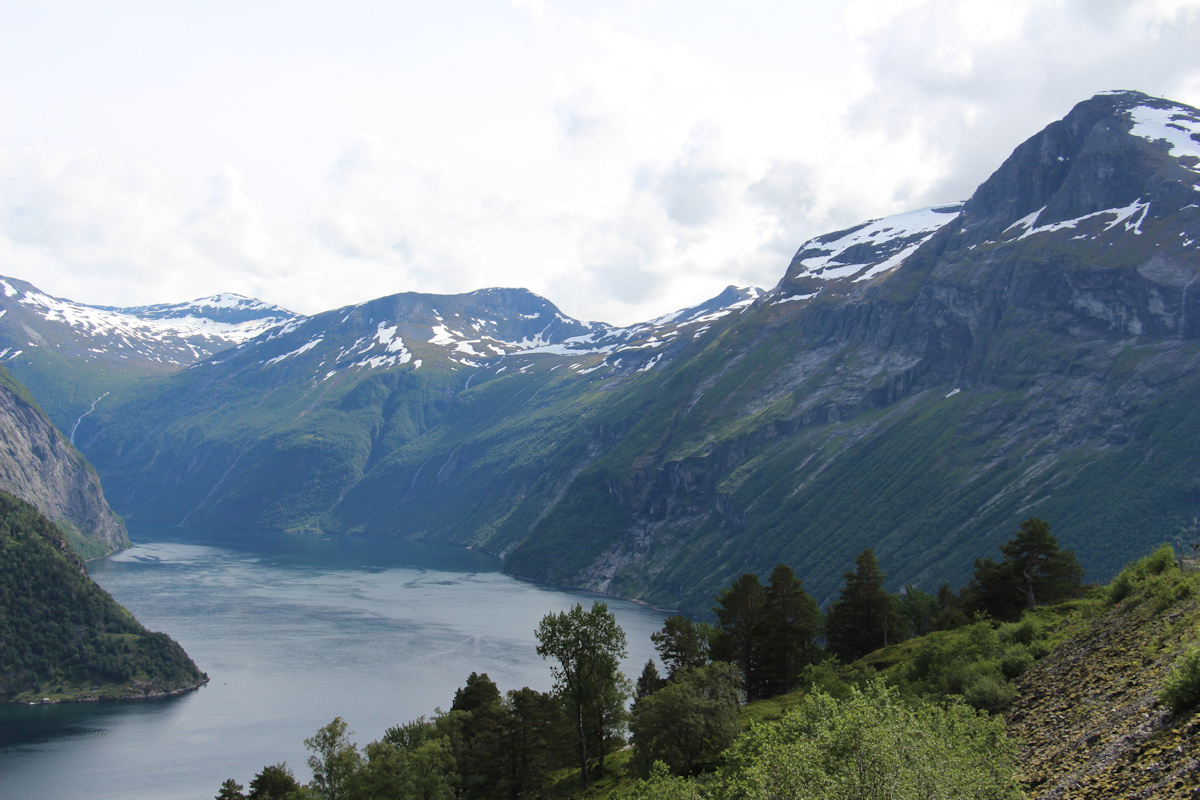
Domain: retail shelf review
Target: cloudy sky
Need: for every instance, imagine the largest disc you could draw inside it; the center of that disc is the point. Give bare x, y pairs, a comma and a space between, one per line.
622, 159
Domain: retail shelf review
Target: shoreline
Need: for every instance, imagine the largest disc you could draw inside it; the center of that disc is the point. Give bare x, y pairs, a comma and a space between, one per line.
98, 698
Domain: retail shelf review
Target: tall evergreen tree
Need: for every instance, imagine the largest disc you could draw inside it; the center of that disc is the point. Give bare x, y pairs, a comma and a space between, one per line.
789, 627
739, 615
865, 617
649, 681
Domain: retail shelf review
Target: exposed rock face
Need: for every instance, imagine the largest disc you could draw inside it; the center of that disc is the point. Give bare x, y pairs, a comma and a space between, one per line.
38, 465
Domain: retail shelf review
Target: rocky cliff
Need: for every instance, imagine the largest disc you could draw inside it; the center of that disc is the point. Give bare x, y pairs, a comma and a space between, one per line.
38, 465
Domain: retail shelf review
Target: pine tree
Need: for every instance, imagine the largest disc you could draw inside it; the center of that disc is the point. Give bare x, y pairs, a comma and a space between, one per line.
739, 614
1034, 570
865, 617
790, 625
680, 645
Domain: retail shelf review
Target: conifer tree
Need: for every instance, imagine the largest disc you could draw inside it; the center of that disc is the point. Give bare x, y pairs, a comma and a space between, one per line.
790, 625
865, 617
739, 614
1034, 570
679, 644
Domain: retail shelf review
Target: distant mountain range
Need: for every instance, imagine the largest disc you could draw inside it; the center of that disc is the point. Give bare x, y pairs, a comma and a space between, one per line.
917, 384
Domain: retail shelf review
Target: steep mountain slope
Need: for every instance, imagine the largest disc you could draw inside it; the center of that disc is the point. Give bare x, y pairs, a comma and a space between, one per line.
38, 465
306, 426
71, 354
61, 636
1034, 355
917, 384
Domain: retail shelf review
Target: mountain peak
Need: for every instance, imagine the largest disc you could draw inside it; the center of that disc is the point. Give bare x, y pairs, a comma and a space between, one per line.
1110, 152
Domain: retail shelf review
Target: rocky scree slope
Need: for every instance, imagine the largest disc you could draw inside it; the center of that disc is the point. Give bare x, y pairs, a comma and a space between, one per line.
1088, 718
38, 465
917, 384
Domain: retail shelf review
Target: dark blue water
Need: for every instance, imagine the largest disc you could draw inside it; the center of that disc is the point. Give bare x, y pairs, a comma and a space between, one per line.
292, 632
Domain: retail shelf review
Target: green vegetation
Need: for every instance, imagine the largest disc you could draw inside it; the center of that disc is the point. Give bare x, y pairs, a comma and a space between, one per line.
872, 743
61, 636
588, 646
917, 718
1181, 689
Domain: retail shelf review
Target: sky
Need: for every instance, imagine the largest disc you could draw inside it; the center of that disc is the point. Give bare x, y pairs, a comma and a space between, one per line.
621, 159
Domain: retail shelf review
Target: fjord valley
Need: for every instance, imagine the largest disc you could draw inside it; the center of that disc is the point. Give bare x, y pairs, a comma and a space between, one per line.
913, 388
1028, 351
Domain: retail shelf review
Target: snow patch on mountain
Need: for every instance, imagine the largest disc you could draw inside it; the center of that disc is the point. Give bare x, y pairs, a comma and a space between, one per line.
1028, 224
304, 348
872, 248
1178, 126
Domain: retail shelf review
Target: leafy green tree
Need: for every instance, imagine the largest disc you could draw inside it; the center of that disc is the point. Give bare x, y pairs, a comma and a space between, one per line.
865, 617
690, 721
739, 616
588, 646
1034, 569
679, 644
275, 782
789, 627
334, 761
919, 608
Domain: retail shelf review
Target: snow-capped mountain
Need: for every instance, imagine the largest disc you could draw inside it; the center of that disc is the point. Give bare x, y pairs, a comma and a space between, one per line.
870, 249
70, 353
173, 336
494, 330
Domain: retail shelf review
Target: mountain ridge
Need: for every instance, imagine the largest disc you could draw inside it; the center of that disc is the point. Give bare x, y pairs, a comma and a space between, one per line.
1031, 350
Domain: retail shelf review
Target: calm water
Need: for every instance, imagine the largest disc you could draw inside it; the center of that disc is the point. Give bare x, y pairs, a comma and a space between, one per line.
292, 632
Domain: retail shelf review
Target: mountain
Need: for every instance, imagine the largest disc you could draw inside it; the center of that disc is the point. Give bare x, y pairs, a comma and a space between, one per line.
917, 384
71, 354
40, 466
62, 637
305, 426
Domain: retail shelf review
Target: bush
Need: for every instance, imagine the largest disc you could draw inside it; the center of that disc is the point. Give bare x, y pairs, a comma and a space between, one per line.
872, 744
989, 692
1159, 562
1181, 689
1015, 661
1023, 632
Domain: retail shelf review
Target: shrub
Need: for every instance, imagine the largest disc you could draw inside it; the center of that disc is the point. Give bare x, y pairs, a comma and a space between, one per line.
989, 693
1181, 689
1159, 562
1023, 632
1015, 661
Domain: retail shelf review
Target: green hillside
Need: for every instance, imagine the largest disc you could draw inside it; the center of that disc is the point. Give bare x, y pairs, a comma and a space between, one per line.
61, 636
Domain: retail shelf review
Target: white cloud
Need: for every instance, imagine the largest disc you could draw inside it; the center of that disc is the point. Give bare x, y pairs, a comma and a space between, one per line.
623, 159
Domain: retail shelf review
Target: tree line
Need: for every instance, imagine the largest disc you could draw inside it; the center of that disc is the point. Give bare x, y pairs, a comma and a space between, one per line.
766, 640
